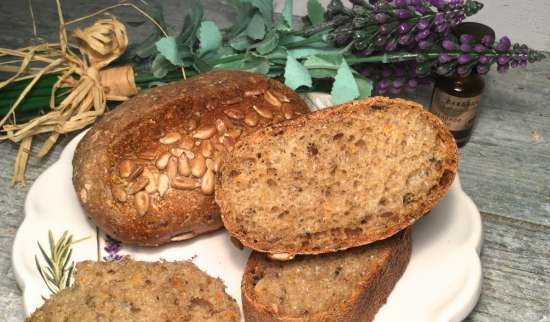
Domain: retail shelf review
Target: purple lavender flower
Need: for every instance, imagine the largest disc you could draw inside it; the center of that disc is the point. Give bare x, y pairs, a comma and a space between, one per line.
466, 39
423, 45
503, 60
503, 44
479, 48
112, 247
422, 35
423, 24
405, 39
448, 45
403, 27
444, 58
381, 17
465, 48
400, 3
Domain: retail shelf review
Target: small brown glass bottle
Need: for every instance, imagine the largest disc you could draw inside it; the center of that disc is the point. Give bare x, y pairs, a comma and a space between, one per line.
455, 99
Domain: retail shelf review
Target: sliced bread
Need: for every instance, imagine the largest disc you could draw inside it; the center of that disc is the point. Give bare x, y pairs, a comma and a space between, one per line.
347, 286
132, 291
337, 178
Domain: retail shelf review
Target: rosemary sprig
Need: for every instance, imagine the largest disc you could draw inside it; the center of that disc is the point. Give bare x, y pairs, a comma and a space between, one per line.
58, 269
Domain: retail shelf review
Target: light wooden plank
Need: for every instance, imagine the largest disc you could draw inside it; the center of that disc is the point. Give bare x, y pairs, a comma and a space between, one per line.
516, 261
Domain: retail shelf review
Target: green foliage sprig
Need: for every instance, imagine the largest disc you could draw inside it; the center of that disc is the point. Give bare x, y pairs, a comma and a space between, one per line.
257, 42
58, 269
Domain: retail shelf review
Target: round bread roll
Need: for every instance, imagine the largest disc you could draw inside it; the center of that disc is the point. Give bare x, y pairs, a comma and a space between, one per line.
145, 173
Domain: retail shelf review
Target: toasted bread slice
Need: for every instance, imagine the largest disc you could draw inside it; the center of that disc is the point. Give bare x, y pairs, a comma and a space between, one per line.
347, 286
338, 178
140, 291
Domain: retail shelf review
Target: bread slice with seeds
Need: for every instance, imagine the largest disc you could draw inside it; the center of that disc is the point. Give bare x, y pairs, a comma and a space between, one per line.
338, 178
347, 286
132, 291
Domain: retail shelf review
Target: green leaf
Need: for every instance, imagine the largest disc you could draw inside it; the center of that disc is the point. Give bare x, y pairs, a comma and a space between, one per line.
210, 37
315, 12
323, 61
147, 47
161, 66
268, 44
365, 86
296, 74
191, 23
322, 73
309, 51
168, 48
240, 42
248, 64
243, 18
287, 13
266, 9
344, 88
256, 27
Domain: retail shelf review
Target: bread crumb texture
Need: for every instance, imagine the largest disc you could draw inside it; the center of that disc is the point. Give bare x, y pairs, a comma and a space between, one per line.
360, 173
312, 285
131, 291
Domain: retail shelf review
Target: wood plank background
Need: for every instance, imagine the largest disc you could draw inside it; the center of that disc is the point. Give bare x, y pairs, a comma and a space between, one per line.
505, 169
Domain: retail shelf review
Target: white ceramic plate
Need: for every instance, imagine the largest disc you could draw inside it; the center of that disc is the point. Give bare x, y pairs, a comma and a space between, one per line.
441, 284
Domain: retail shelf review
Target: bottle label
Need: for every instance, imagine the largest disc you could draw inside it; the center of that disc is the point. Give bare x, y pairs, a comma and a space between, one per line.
458, 113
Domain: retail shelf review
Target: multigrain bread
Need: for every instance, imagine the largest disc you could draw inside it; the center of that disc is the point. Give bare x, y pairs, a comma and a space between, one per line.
337, 178
132, 291
145, 172
347, 286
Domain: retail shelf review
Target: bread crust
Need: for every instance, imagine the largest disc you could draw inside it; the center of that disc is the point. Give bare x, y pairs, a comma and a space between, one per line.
132, 132
362, 306
449, 171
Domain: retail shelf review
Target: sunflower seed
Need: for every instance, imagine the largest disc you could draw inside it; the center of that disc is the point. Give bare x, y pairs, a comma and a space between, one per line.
184, 183
235, 133
287, 111
220, 126
163, 184
251, 118
234, 113
232, 101
125, 168
135, 173
138, 185
280, 256
141, 200
280, 96
209, 164
183, 166
191, 124
207, 182
172, 168
119, 194
152, 186
271, 99
264, 112
184, 236
187, 143
176, 151
190, 155
207, 149
198, 166
162, 161
204, 132
253, 92
170, 138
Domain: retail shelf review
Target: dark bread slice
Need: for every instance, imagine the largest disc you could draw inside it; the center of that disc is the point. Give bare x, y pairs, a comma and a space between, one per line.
131, 291
347, 286
129, 169
337, 178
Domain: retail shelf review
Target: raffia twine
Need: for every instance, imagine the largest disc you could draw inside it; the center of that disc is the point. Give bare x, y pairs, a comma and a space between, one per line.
91, 84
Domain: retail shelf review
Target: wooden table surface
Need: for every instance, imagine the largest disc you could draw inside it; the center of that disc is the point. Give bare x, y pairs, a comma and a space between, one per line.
505, 169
